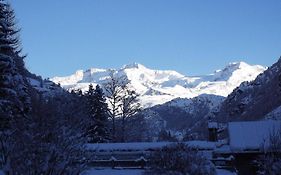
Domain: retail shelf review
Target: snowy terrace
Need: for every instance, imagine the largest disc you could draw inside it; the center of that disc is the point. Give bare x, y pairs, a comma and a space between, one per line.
132, 158
147, 146
136, 154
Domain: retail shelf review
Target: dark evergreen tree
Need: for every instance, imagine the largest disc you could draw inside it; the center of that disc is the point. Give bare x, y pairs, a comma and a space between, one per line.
98, 111
14, 97
8, 94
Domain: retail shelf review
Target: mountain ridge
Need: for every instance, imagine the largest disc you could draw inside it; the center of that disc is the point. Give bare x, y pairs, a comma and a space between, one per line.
160, 86
253, 100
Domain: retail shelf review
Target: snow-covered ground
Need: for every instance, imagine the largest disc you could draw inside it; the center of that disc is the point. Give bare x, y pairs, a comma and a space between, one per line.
224, 172
135, 172
129, 172
113, 172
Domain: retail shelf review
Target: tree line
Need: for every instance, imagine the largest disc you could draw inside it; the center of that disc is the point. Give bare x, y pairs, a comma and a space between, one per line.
109, 108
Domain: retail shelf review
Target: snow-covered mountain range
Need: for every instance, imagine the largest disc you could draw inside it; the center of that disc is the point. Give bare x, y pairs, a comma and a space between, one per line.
160, 86
254, 100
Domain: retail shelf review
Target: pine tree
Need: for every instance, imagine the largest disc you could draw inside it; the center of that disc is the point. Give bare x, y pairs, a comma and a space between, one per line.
98, 131
14, 98
7, 71
13, 86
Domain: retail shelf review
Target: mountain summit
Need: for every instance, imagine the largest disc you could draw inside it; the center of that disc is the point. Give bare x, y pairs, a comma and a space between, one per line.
160, 86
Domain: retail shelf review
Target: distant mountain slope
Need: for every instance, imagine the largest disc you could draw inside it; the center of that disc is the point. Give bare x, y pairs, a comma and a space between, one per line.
183, 113
253, 100
42, 86
159, 86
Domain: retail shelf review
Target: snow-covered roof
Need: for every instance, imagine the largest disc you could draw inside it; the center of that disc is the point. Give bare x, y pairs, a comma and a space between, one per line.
251, 135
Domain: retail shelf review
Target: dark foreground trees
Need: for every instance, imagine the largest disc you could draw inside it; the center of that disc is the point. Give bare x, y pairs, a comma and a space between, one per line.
52, 141
38, 134
113, 88
123, 103
129, 107
14, 96
98, 130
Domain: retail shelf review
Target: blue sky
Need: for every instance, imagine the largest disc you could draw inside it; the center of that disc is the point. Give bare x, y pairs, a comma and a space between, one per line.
193, 37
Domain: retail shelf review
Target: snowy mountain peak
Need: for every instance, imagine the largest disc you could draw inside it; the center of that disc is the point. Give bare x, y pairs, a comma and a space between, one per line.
238, 64
231, 67
134, 66
235, 71
242, 65
79, 73
160, 86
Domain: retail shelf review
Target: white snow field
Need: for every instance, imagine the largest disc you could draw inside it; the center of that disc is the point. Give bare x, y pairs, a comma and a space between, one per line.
160, 86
